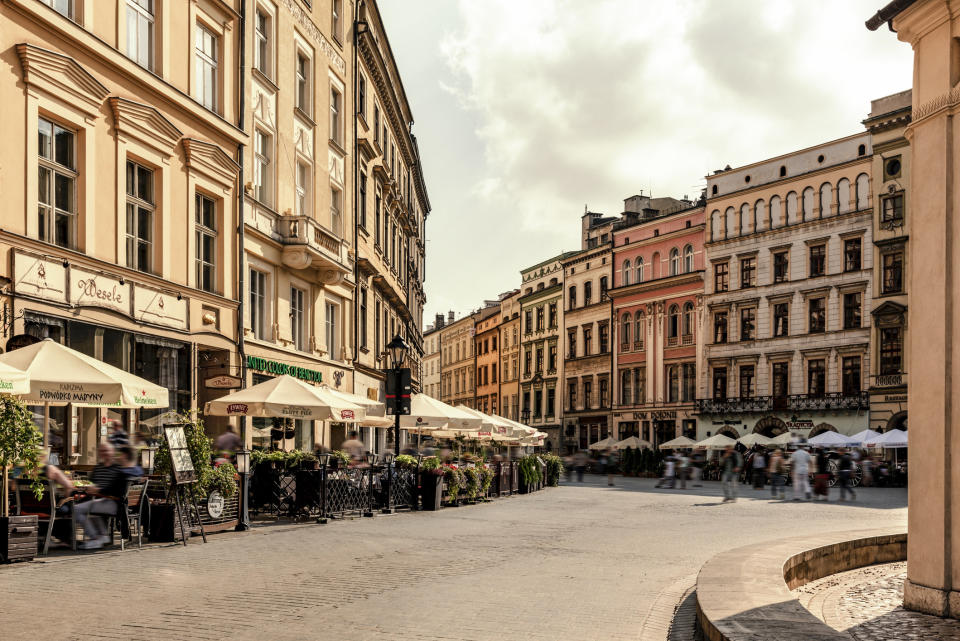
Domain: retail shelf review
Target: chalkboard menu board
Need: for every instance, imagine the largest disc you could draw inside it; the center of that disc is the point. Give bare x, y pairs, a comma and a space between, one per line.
180, 460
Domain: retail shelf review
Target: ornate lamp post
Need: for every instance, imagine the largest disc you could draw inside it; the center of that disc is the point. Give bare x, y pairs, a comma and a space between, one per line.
398, 386
243, 469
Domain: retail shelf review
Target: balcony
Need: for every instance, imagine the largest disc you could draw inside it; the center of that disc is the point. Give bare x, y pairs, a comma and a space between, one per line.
307, 245
687, 339
672, 341
889, 380
794, 402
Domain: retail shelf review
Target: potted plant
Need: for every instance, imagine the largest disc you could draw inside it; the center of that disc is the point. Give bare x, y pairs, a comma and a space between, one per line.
20, 443
431, 483
529, 474
454, 480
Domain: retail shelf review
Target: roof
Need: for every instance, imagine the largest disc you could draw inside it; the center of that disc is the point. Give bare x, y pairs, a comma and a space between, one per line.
887, 14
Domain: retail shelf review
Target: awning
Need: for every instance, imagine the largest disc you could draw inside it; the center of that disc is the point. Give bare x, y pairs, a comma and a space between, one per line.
286, 397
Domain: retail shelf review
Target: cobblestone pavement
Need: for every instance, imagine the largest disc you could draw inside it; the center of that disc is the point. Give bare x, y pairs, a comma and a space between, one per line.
580, 561
866, 603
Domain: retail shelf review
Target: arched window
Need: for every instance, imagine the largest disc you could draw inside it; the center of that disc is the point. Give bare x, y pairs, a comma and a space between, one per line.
715, 225
808, 203
572, 296
862, 150
783, 170
688, 319
673, 322
826, 200
776, 212
843, 196
863, 192
638, 270
688, 258
673, 378
656, 269
746, 220
641, 329
674, 261
792, 212
714, 190
625, 395
760, 212
625, 331
625, 275
728, 218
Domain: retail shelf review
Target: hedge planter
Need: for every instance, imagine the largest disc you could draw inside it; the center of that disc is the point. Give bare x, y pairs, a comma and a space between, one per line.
18, 538
431, 491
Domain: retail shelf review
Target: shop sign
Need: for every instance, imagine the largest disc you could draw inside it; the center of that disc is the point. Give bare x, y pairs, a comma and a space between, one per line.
237, 408
152, 306
96, 290
276, 367
889, 380
800, 425
40, 278
215, 504
639, 416
899, 398
223, 382
664, 415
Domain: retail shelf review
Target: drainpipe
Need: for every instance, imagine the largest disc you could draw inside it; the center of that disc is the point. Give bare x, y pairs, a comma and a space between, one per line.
241, 250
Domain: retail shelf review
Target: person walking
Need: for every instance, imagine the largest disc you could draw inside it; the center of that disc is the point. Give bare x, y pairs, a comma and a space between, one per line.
580, 464
730, 465
821, 476
610, 464
697, 461
669, 469
759, 465
846, 473
800, 467
777, 477
683, 465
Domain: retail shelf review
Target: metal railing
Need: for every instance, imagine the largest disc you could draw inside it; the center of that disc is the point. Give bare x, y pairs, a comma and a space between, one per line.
796, 402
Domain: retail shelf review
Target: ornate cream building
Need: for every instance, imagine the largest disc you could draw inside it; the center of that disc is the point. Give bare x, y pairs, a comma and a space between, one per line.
510, 355
459, 361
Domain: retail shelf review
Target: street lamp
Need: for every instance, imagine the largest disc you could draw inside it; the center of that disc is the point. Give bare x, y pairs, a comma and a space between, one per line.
371, 458
397, 348
243, 469
397, 385
148, 456
324, 458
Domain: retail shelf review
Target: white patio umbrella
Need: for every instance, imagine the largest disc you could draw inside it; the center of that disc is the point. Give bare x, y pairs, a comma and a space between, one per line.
752, 439
427, 413
890, 440
631, 441
605, 444
829, 439
286, 397
858, 439
13, 380
786, 438
717, 442
375, 410
679, 443
60, 375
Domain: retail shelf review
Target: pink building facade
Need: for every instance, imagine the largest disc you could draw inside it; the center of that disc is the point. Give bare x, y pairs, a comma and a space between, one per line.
658, 265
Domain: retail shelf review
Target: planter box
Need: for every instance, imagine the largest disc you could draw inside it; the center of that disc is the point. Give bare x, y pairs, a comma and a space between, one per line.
431, 491
18, 538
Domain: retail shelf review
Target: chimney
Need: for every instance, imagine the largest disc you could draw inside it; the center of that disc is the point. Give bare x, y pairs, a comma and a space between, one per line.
438, 321
450, 316
636, 204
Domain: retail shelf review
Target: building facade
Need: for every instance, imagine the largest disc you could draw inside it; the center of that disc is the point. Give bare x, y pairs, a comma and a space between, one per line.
510, 355
121, 175
459, 362
658, 260
890, 349
486, 347
431, 380
788, 293
587, 358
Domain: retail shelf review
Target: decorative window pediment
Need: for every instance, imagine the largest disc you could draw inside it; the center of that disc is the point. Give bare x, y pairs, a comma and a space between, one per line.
61, 77
211, 161
146, 124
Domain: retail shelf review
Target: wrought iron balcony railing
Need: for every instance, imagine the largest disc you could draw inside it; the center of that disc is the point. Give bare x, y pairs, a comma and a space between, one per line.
794, 402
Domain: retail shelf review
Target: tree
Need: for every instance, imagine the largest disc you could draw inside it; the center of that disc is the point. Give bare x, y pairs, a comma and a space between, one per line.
20, 444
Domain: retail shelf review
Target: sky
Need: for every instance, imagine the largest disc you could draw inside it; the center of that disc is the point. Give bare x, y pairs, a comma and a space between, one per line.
528, 111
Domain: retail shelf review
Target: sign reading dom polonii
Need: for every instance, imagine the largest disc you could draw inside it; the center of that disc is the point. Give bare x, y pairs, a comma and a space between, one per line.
276, 367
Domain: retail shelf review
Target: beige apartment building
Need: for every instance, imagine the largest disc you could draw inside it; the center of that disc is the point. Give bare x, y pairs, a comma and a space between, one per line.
510, 355
487, 341
458, 360
431, 380
890, 349
120, 178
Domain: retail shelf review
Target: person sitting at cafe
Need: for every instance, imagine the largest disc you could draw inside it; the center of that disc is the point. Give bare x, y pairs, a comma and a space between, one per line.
228, 441
110, 477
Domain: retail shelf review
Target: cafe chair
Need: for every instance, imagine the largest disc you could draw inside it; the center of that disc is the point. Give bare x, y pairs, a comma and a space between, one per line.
45, 509
130, 512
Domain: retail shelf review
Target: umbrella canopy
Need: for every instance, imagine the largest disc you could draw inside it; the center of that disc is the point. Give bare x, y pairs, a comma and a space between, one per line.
13, 380
783, 439
376, 411
633, 442
717, 442
679, 443
286, 397
60, 375
519, 429
605, 444
752, 439
491, 425
427, 413
858, 439
170, 416
829, 439
891, 439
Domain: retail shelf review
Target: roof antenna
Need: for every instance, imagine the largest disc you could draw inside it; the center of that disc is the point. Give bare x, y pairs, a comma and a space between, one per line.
584, 207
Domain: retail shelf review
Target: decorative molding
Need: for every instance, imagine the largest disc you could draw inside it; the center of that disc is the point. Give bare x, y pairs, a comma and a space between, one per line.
61, 77
943, 101
303, 19
210, 160
146, 124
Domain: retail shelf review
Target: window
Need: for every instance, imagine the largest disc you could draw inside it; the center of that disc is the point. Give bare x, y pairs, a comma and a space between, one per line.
818, 315
603, 287
625, 389
552, 362
604, 338
57, 184
688, 258
528, 321
376, 124
748, 323
781, 267
303, 84
553, 315
638, 270
540, 318
674, 261
333, 330
587, 341
539, 359
604, 393
625, 331
587, 292
746, 381
205, 87
362, 96
587, 394
893, 273
336, 20
551, 401
572, 295
376, 334
892, 211
336, 225
719, 383
748, 272
781, 379
781, 319
63, 7
816, 377
140, 19
673, 384
262, 169
851, 375
258, 304
336, 124
526, 362
673, 322
689, 374
206, 233
721, 277
891, 350
851, 310
818, 260
493, 373
302, 202
140, 206
377, 203
261, 48
626, 272
720, 327
851, 255
363, 319
572, 395
687, 322
363, 200
298, 322
572, 343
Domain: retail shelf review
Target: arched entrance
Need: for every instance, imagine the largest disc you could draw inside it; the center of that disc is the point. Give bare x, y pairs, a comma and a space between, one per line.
726, 430
820, 429
770, 426
897, 422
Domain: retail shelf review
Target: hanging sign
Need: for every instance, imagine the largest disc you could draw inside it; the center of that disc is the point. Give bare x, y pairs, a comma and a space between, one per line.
223, 382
